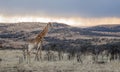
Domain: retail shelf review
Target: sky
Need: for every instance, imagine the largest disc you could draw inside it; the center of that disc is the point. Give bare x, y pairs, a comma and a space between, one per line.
73, 12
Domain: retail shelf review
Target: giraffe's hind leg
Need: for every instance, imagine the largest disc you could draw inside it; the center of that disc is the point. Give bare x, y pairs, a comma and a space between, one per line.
28, 57
29, 49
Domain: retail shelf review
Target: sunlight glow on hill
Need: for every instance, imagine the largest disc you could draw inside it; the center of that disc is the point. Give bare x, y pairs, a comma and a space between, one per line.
14, 19
73, 21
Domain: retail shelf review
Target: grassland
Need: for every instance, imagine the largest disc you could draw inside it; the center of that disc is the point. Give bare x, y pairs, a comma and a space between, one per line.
10, 62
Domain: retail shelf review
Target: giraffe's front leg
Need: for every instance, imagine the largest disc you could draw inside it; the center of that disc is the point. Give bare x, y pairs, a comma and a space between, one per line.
36, 56
38, 53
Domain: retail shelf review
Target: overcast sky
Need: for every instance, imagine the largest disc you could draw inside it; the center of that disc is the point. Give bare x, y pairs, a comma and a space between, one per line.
82, 8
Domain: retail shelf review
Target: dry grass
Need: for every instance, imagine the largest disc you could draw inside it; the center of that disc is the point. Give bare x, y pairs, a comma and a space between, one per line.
9, 62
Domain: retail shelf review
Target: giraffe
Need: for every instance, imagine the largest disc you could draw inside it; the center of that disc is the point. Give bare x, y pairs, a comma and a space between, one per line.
37, 42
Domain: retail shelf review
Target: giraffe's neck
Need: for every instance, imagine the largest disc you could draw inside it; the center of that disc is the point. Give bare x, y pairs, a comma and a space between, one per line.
41, 35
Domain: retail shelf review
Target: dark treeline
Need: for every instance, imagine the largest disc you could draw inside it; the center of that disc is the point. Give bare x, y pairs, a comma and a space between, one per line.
77, 48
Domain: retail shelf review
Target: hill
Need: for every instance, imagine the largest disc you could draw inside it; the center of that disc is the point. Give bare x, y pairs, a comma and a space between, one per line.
105, 28
15, 35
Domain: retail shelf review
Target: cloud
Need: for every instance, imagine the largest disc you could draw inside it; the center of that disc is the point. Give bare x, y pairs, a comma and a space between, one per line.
73, 21
73, 12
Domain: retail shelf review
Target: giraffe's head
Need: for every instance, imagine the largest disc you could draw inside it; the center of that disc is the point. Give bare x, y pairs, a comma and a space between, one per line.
50, 24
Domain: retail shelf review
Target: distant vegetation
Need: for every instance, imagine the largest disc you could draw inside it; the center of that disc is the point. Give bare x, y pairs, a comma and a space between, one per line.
98, 40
